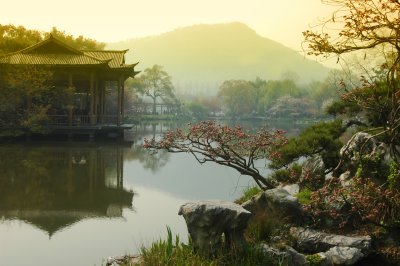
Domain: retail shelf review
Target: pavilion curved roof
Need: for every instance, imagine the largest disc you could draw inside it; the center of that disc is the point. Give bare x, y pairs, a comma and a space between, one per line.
53, 52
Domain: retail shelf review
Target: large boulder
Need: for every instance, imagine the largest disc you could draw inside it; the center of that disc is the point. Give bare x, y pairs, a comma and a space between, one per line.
208, 220
312, 241
277, 200
362, 144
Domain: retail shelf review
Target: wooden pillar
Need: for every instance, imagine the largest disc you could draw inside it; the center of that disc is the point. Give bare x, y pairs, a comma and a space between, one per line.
96, 98
119, 102
92, 100
70, 104
103, 100
122, 99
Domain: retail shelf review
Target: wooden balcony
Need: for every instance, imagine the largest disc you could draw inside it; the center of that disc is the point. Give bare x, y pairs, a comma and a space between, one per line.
86, 125
82, 120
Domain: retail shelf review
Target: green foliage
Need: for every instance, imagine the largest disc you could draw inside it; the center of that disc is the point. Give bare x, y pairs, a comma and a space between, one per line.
238, 97
340, 107
275, 89
25, 97
372, 167
79, 42
197, 110
248, 193
322, 138
394, 175
170, 252
155, 83
360, 203
287, 175
304, 196
314, 260
264, 225
14, 38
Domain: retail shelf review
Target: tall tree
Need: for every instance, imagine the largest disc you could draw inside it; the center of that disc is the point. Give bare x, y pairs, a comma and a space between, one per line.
238, 97
155, 83
363, 25
26, 95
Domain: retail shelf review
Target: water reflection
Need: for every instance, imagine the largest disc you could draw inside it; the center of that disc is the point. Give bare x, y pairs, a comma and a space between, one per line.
80, 195
53, 186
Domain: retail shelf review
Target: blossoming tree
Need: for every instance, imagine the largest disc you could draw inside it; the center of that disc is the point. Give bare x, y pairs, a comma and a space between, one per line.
234, 147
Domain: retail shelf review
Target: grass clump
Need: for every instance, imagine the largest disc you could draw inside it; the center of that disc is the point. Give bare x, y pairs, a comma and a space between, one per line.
304, 196
170, 252
174, 252
248, 193
314, 260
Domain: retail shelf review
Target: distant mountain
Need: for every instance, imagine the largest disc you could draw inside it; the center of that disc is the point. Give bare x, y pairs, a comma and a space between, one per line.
201, 57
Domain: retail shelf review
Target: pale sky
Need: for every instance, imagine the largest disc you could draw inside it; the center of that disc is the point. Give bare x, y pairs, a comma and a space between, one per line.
117, 20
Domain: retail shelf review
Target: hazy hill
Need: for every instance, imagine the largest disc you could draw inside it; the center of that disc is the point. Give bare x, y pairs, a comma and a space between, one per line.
201, 57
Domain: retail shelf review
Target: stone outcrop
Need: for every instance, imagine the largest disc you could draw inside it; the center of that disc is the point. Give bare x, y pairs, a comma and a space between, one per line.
313, 167
208, 220
312, 241
292, 189
362, 144
341, 256
291, 256
277, 200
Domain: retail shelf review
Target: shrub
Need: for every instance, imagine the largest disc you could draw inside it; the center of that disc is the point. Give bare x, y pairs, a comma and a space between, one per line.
314, 260
287, 175
359, 203
321, 138
304, 196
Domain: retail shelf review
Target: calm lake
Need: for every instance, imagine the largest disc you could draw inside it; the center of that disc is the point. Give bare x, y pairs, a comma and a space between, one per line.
76, 203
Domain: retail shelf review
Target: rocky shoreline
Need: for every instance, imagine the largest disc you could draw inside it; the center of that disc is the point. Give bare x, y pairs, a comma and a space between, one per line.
212, 224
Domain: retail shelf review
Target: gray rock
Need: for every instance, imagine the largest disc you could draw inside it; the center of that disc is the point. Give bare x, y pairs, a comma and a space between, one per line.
312, 241
295, 258
345, 178
292, 189
362, 144
341, 256
290, 255
273, 252
208, 220
277, 200
328, 177
313, 167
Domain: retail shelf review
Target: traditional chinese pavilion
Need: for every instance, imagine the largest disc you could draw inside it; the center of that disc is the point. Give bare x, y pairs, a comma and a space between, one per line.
88, 75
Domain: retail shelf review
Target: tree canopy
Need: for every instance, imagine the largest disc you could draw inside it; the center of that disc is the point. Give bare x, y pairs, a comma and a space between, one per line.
362, 25
155, 83
14, 38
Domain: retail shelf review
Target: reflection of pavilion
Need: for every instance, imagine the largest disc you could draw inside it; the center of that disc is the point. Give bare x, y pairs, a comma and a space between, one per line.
53, 187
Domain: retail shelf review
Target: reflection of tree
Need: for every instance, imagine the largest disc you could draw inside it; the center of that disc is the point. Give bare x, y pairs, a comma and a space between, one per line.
53, 187
153, 162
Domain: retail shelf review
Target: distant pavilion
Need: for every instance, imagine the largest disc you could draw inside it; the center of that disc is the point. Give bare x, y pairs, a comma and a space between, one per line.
85, 74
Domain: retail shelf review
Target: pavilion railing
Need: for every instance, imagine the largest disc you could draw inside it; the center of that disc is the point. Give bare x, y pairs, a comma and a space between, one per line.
81, 120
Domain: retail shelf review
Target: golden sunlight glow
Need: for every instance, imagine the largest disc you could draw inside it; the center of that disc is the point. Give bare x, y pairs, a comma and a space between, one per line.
117, 20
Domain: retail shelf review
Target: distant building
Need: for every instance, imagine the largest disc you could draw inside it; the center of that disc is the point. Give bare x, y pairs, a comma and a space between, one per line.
85, 74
